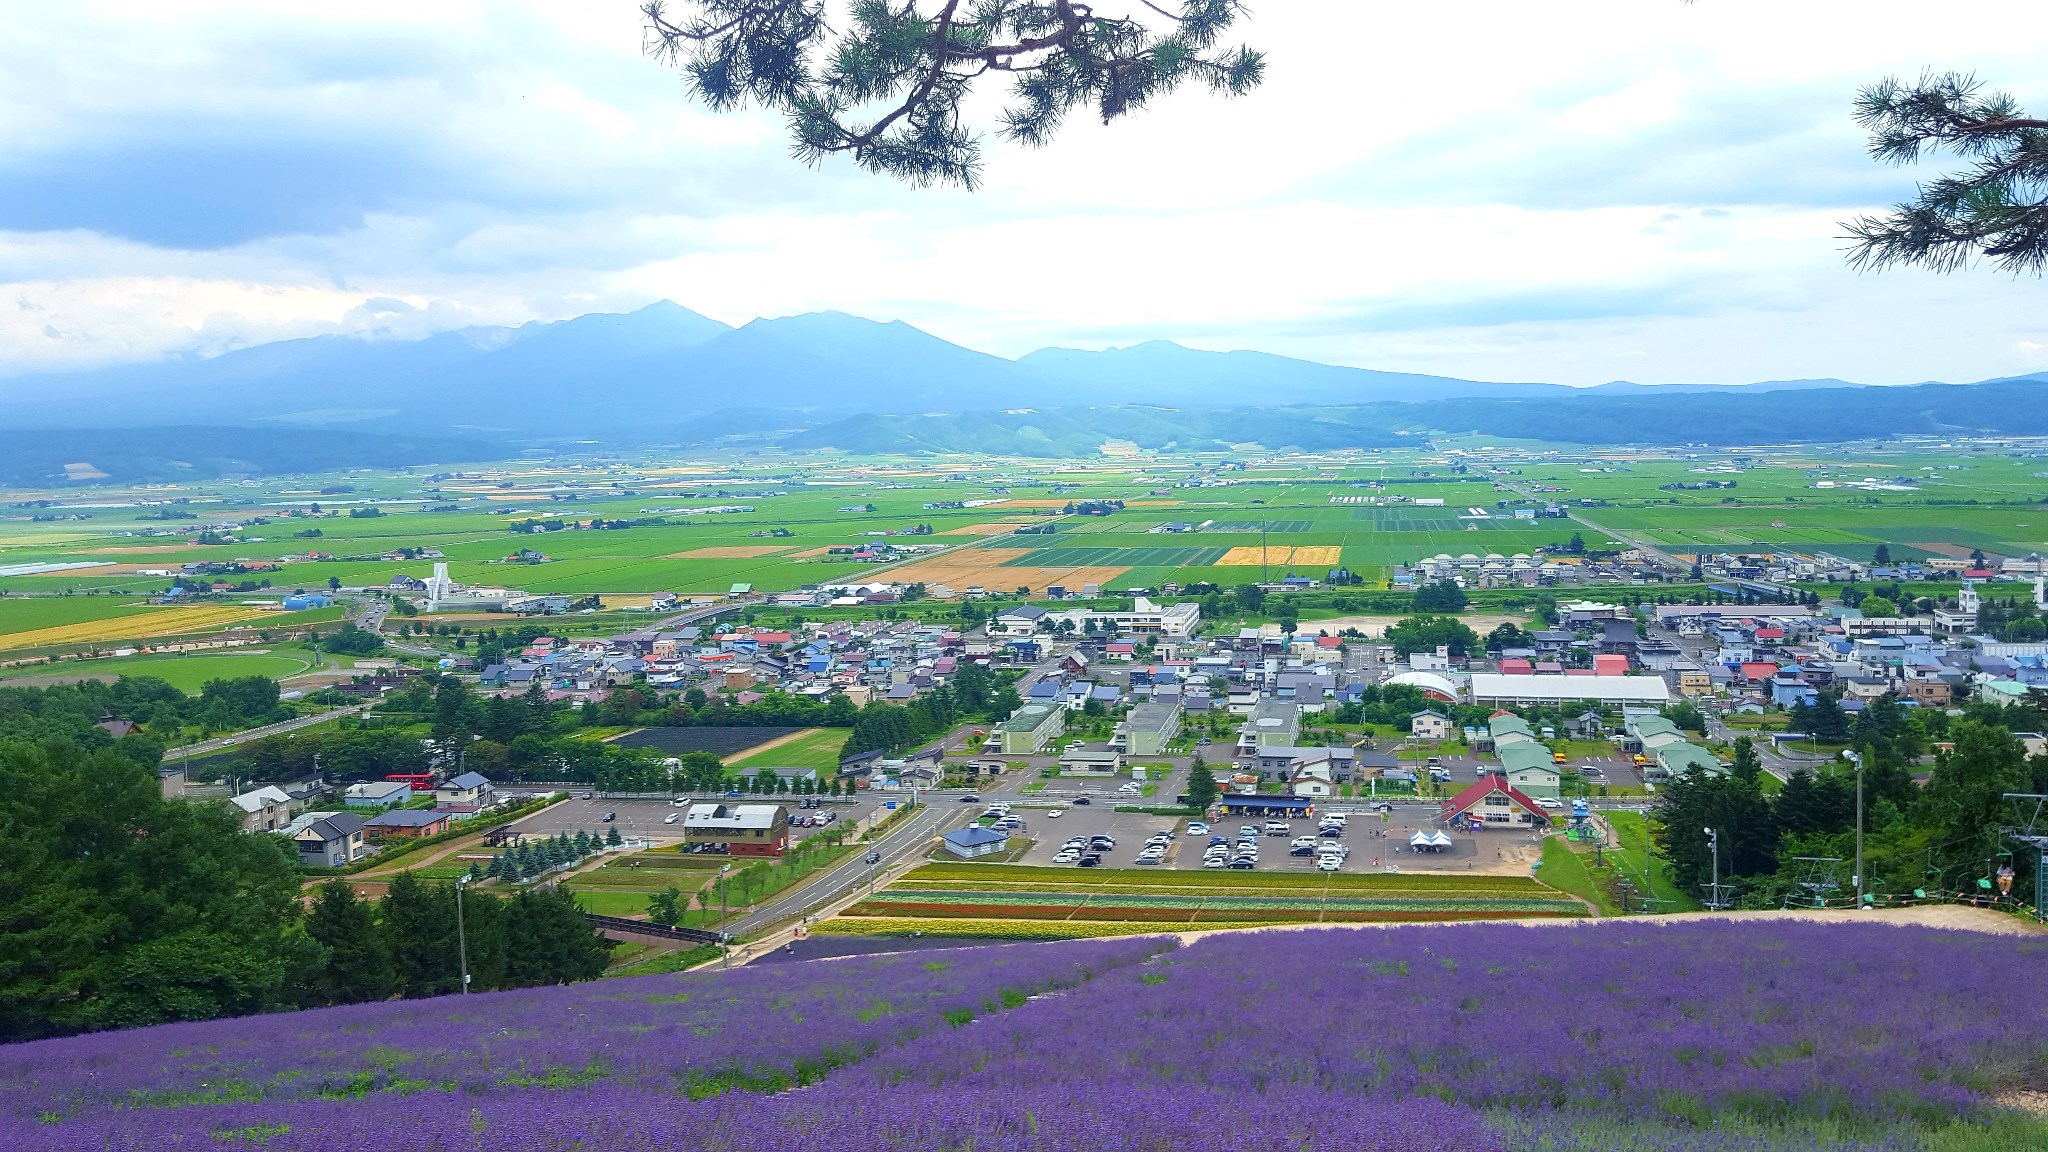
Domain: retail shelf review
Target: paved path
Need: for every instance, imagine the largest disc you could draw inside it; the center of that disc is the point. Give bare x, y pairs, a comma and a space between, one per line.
218, 743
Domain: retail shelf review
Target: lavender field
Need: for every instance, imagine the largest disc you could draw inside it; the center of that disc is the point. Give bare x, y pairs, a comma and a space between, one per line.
1617, 1036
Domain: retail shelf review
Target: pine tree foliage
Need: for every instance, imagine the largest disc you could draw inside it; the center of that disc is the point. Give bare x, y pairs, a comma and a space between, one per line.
1996, 207
889, 87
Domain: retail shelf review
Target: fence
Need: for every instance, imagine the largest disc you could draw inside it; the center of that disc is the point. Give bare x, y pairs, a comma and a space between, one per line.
649, 928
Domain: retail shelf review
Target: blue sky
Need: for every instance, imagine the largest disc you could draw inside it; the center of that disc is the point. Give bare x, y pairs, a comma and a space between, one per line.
1639, 189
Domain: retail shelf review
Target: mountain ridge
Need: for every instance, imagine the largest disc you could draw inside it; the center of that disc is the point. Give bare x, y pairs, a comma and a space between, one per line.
664, 371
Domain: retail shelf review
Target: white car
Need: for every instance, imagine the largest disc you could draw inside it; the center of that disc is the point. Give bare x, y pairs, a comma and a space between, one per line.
1053, 815
1066, 857
1197, 828
669, 819
1547, 802
1304, 842
1328, 849
1216, 862
1329, 862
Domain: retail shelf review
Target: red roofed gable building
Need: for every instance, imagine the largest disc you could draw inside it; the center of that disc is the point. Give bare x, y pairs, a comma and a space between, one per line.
1495, 804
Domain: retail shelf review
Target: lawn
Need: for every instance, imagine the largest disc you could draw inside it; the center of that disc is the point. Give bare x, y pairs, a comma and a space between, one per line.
1632, 828
187, 672
817, 748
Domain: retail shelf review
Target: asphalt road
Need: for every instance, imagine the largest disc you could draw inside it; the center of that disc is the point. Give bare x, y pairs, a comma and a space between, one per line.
215, 745
905, 844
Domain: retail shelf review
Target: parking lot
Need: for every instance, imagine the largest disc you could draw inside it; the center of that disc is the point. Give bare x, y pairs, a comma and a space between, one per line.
1129, 828
647, 819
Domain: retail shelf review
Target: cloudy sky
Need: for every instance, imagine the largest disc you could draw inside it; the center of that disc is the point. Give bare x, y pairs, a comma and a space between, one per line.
1575, 192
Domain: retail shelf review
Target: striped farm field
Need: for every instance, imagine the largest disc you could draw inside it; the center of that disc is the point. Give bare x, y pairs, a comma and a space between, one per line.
1116, 899
142, 624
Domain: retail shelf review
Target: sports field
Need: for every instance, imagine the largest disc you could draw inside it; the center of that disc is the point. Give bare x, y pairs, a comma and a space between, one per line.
187, 672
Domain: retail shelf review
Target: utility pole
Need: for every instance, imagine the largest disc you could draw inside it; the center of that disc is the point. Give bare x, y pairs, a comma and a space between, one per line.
1856, 758
461, 934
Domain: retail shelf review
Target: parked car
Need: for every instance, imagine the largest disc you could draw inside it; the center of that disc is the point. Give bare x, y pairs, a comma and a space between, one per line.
1218, 840
1197, 828
1547, 802
1216, 862
1092, 860
1331, 830
1277, 828
609, 817
1329, 863
1066, 857
1247, 829
669, 819
1301, 850
1241, 862
1053, 815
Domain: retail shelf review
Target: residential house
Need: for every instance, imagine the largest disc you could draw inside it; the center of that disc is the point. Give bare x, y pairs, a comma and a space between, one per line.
1427, 725
377, 794
469, 792
334, 840
265, 809
403, 823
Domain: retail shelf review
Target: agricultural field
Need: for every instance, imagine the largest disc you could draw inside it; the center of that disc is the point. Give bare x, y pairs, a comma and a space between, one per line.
816, 748
770, 522
141, 622
1008, 901
721, 742
1701, 1036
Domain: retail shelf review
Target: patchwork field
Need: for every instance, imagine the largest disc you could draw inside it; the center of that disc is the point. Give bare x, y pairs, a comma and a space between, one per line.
1001, 900
1001, 569
142, 623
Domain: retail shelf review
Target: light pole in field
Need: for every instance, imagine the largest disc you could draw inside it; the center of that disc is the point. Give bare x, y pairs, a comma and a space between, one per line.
1856, 758
1714, 891
461, 934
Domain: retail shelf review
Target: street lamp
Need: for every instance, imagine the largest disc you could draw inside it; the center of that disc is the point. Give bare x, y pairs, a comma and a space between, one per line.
1856, 758
1714, 842
461, 935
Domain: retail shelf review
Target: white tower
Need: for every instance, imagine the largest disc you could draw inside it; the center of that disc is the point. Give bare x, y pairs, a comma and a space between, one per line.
438, 586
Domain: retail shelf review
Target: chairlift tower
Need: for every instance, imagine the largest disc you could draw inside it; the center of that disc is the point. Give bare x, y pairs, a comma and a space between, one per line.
1816, 883
2029, 826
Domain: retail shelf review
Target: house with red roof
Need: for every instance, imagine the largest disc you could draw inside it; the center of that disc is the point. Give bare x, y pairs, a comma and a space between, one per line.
1493, 803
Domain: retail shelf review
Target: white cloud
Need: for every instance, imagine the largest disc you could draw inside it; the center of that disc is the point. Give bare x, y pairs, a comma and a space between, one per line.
1637, 188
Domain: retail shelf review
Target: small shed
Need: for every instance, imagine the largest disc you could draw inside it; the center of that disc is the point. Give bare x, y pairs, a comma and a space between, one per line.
969, 843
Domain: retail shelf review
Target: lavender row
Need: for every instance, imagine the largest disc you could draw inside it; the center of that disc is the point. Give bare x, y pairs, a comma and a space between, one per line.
1767, 1020
695, 1034
823, 1118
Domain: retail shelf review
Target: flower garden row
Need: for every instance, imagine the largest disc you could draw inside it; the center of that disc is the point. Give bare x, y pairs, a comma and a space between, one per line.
1195, 909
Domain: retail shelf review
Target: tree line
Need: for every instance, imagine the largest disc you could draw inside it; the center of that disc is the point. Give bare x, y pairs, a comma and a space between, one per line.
1941, 836
122, 908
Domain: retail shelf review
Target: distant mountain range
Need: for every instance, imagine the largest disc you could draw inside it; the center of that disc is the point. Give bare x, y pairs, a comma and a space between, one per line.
667, 374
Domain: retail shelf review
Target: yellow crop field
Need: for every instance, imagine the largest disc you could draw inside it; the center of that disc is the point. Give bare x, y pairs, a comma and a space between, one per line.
1308, 555
141, 625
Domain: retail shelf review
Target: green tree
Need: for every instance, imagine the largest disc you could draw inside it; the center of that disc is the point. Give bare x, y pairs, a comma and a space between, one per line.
1440, 596
358, 966
1964, 801
548, 940
887, 85
120, 908
1201, 785
1878, 606
1995, 208
1428, 633
419, 930
666, 906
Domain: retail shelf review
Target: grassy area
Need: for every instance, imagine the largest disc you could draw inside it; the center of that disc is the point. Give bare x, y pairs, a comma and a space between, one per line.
1632, 829
817, 748
632, 904
1566, 869
186, 672
674, 960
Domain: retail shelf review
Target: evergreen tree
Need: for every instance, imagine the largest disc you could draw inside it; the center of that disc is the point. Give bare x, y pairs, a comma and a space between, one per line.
1201, 785
548, 940
419, 929
358, 966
